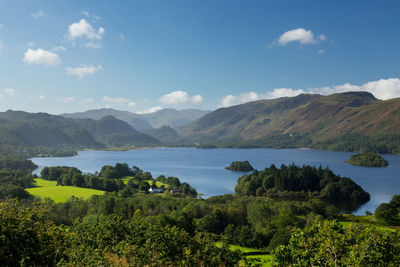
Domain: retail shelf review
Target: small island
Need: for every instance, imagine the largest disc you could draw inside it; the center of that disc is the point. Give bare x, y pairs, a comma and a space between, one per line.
368, 160
240, 166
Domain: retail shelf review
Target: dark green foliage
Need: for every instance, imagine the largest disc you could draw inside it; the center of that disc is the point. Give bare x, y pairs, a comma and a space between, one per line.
55, 173
327, 243
240, 166
118, 171
306, 180
13, 183
377, 143
17, 164
27, 238
389, 212
368, 160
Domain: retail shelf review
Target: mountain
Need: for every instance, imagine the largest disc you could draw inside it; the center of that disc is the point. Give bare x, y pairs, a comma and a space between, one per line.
140, 122
96, 114
173, 117
165, 134
42, 129
318, 118
112, 131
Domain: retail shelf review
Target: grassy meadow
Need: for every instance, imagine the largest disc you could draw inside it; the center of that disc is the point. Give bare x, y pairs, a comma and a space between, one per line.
252, 253
49, 189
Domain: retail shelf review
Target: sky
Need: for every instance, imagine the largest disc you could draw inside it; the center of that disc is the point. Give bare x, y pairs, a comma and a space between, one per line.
145, 55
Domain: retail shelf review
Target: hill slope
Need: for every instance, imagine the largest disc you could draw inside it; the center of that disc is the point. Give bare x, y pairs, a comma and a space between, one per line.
319, 118
42, 129
111, 131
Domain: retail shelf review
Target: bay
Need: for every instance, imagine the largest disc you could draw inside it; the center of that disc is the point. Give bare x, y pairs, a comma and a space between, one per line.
204, 168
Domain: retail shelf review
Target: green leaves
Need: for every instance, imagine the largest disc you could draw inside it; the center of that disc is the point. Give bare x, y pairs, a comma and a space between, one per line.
330, 244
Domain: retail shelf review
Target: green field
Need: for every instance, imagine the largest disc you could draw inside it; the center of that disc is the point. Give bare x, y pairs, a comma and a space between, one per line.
49, 189
252, 253
365, 219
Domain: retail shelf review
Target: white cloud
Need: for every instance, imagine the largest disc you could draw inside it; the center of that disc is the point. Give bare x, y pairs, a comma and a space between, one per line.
41, 97
300, 35
321, 51
41, 57
38, 14
180, 97
132, 104
66, 100
121, 36
83, 30
93, 45
31, 43
9, 91
231, 100
85, 13
59, 48
83, 70
150, 110
382, 89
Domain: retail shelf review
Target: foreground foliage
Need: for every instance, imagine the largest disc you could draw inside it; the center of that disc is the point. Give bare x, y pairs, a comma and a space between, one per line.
29, 238
389, 213
328, 243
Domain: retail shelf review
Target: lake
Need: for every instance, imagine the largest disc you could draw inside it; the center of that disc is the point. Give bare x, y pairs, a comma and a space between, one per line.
204, 168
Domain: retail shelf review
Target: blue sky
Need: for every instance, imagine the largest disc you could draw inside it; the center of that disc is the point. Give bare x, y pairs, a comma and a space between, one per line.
67, 56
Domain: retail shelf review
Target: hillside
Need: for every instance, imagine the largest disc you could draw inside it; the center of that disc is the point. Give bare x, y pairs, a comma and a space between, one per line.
112, 131
42, 129
173, 117
165, 134
96, 114
313, 117
140, 122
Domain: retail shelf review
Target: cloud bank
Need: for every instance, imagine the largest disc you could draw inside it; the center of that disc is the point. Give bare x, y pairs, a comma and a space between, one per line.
382, 89
180, 97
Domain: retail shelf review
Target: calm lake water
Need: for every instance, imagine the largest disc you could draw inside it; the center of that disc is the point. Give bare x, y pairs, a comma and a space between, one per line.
204, 168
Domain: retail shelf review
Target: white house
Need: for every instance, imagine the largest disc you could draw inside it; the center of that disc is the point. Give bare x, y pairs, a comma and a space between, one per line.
156, 190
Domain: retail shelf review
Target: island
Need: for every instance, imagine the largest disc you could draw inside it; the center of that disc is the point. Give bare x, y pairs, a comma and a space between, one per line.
368, 160
240, 166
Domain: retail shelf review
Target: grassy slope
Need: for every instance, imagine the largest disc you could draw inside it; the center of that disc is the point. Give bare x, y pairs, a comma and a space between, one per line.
49, 189
367, 220
265, 258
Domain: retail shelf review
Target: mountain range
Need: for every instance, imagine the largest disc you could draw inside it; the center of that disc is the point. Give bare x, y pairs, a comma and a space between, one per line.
344, 121
165, 117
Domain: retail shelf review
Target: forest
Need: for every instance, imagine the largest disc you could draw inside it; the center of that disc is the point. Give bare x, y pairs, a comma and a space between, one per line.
128, 226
